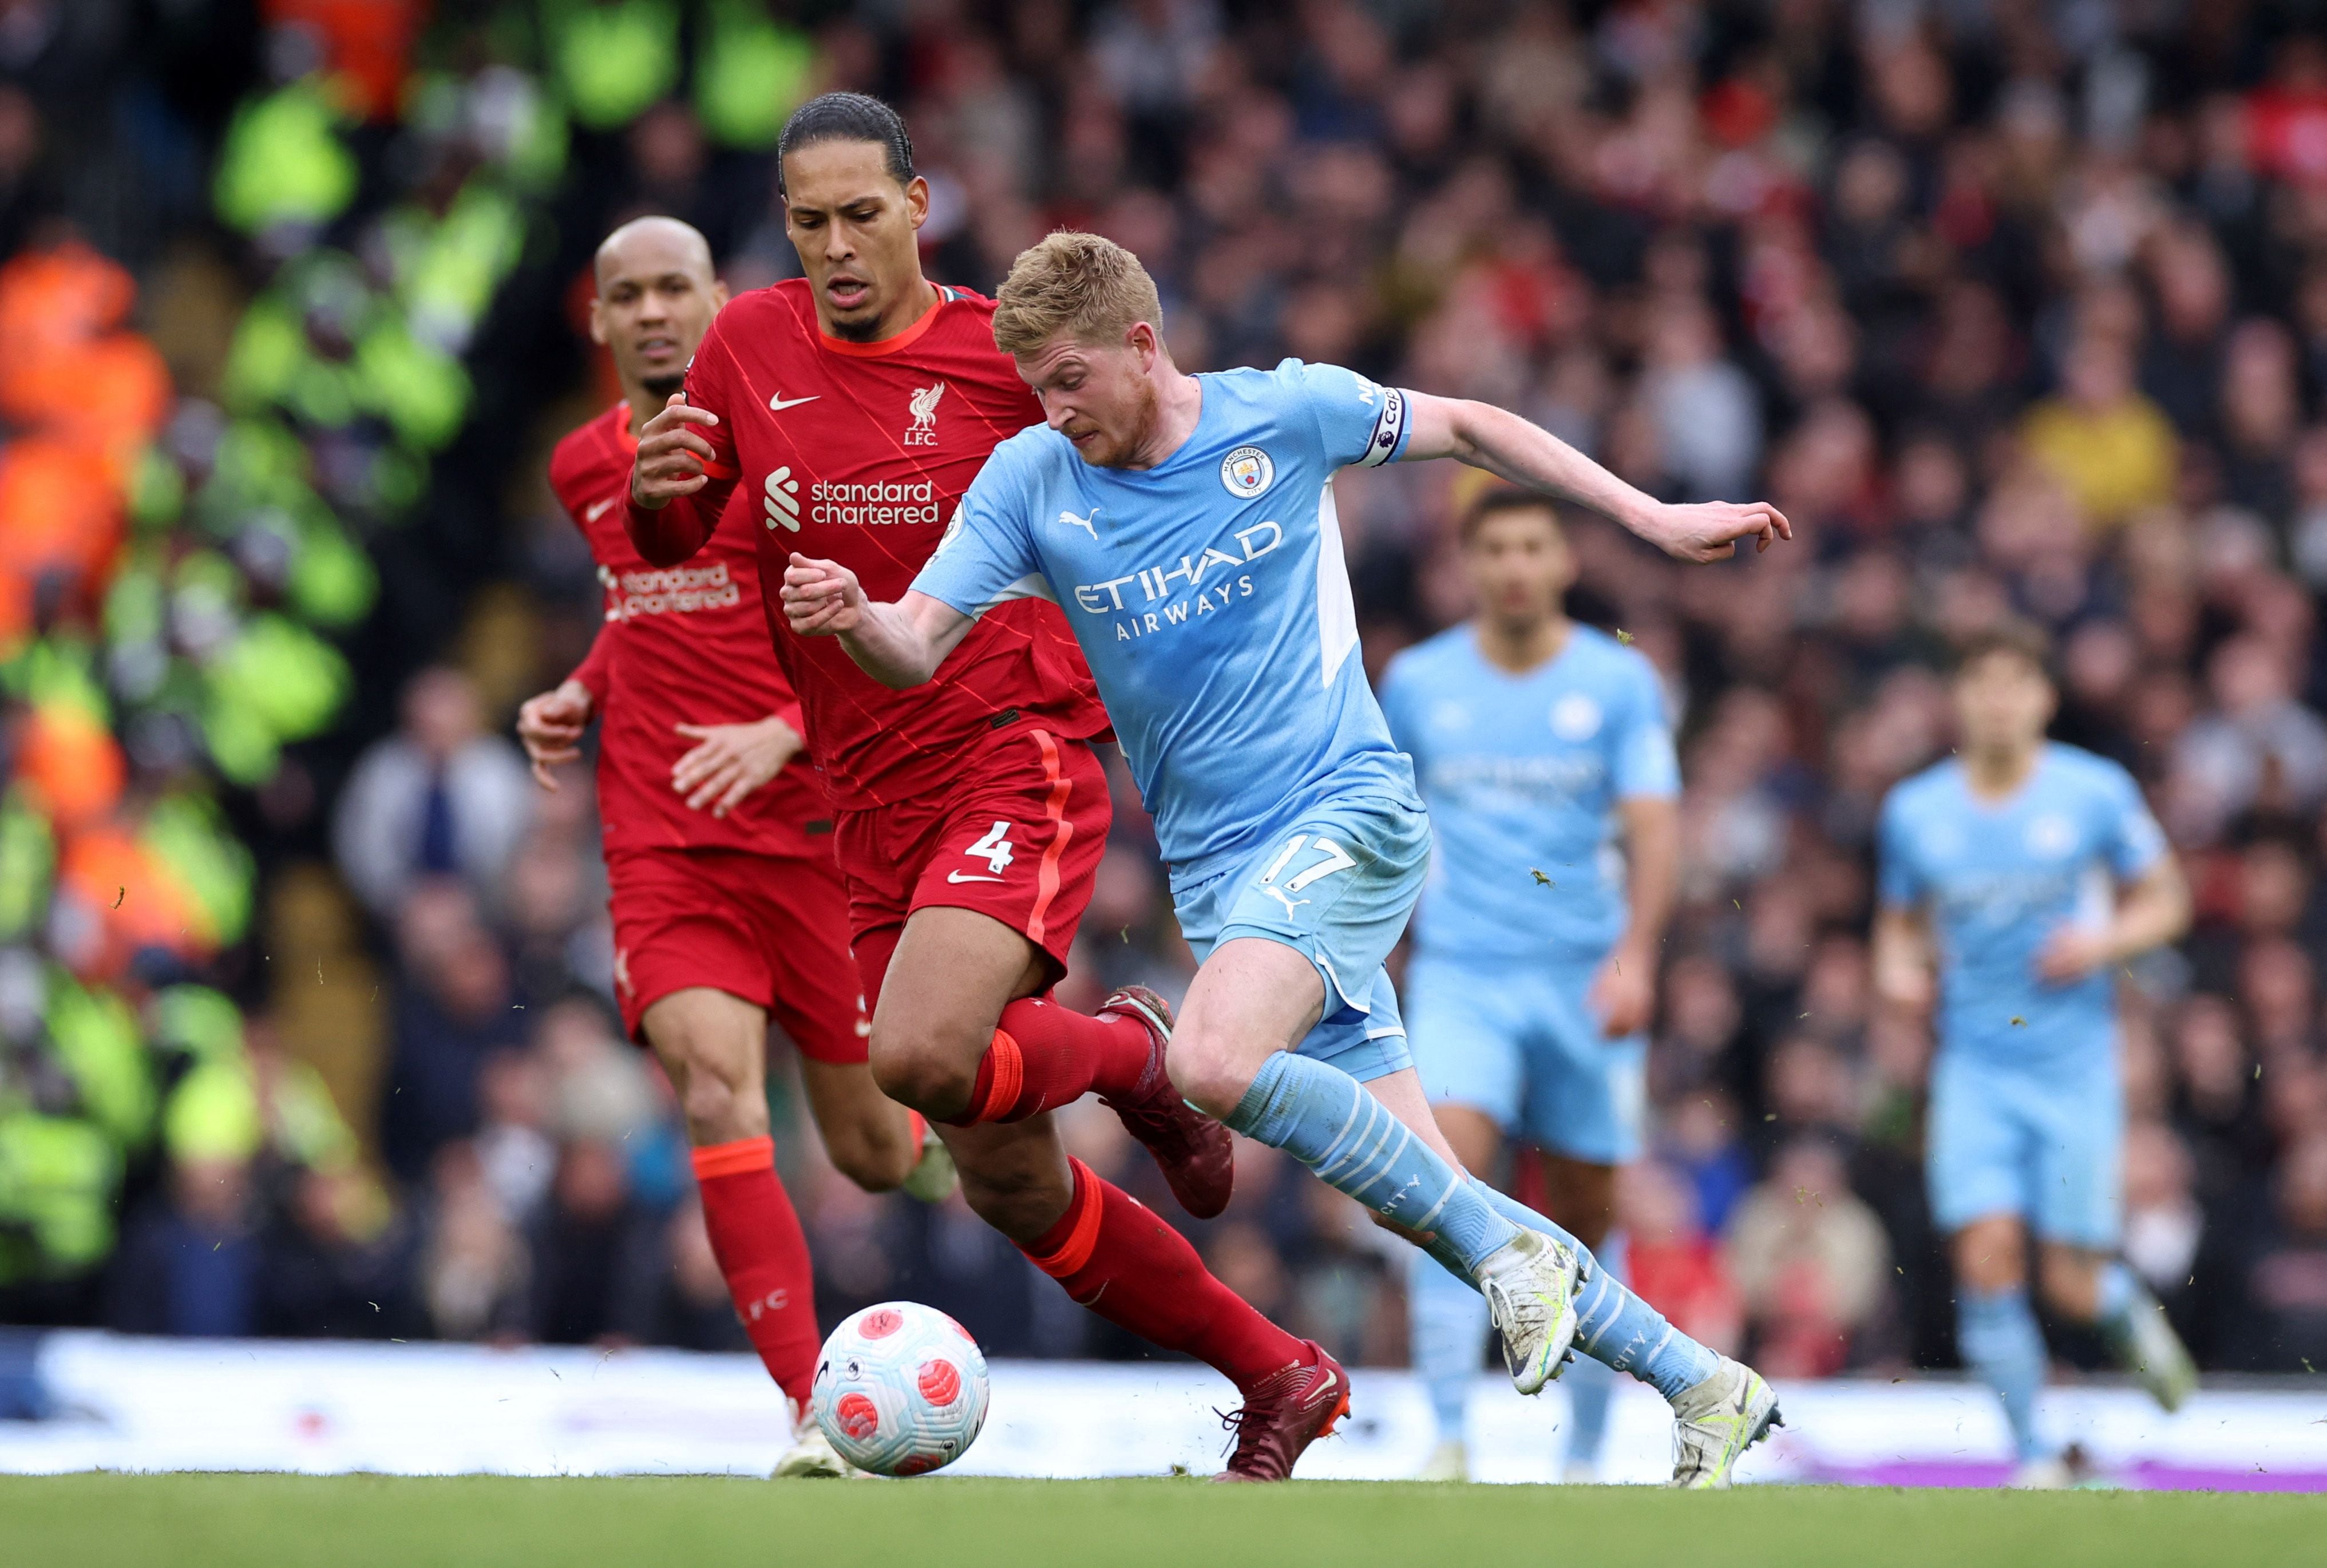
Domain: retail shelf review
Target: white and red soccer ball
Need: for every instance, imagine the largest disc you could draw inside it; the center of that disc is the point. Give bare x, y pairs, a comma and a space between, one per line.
900, 1390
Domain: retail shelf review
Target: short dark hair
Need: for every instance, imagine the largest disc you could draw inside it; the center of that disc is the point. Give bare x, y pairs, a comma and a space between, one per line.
1496, 501
847, 116
2022, 640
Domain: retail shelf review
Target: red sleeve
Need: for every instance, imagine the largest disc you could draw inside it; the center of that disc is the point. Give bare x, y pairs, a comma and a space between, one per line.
668, 537
789, 711
592, 671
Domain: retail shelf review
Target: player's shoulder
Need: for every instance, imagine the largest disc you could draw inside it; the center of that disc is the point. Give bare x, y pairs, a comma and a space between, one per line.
1032, 457
1443, 655
2087, 772
1927, 790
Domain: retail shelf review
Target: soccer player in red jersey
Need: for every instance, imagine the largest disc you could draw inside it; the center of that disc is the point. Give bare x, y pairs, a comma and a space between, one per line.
727, 905
850, 409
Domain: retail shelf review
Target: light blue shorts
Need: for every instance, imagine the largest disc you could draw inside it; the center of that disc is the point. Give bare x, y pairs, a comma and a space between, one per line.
2048, 1147
1337, 888
1516, 1040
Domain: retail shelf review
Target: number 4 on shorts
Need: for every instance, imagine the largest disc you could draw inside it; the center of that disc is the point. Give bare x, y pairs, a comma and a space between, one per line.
995, 847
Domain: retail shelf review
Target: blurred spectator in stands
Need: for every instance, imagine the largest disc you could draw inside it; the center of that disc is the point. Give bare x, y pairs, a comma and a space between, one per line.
1812, 1262
2279, 1321
2110, 445
1676, 1262
591, 1243
473, 1270
683, 1299
189, 1262
439, 798
453, 1010
2165, 1224
339, 1262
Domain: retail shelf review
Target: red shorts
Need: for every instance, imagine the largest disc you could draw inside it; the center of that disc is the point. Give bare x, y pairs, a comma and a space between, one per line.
772, 929
1018, 837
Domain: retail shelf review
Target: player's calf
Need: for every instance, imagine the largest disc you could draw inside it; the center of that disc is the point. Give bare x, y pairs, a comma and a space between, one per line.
1013, 1177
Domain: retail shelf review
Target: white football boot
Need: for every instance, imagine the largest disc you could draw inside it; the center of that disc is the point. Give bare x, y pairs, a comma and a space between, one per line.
811, 1456
1530, 1284
1714, 1422
2154, 1354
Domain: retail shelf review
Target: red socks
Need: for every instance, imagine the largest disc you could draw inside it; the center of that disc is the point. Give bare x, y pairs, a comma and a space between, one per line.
1045, 1056
763, 1255
1116, 1257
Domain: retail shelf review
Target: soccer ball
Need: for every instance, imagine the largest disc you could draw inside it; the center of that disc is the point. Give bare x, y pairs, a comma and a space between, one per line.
900, 1390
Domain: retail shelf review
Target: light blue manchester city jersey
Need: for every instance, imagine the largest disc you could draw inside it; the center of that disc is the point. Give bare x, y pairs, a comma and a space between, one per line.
1210, 595
1997, 878
1522, 774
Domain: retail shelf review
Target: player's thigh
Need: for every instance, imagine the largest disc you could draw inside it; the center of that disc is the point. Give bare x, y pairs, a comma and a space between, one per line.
1585, 1095
714, 1047
1466, 1045
951, 974
2077, 1158
1977, 1154
1251, 998
1014, 1175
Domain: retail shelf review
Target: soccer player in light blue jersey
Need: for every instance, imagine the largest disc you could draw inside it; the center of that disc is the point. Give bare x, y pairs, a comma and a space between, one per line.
1543, 752
1186, 525
2027, 872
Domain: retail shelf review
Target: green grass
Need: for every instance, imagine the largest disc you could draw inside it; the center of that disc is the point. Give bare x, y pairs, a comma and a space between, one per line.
189, 1521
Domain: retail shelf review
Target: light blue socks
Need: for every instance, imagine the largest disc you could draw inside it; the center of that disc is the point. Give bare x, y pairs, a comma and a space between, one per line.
1447, 1320
1325, 1119
1996, 1333
1590, 1383
1613, 1326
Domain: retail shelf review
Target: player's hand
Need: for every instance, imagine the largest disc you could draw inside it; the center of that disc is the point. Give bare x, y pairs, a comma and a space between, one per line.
2071, 953
550, 727
1624, 994
822, 598
730, 761
672, 455
1711, 530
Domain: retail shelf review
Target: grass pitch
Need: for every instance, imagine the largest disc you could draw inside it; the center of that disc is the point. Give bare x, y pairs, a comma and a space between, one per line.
193, 1521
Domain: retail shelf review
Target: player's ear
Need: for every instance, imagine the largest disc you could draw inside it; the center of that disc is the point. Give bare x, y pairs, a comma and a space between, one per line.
597, 321
718, 294
917, 200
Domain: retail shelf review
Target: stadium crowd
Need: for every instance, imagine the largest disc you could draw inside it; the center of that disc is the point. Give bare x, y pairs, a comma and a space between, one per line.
2013, 310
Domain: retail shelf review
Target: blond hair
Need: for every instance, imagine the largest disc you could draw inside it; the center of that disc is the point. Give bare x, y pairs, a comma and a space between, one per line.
1079, 285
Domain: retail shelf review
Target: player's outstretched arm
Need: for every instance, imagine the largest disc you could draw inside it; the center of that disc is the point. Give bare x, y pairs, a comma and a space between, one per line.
1901, 959
1506, 445
669, 466
899, 645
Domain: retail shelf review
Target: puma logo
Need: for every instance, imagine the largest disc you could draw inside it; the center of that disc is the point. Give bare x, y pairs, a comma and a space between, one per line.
1290, 903
1088, 525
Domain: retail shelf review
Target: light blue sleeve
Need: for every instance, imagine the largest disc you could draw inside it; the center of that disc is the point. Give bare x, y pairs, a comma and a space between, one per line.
988, 554
1896, 882
1646, 768
2134, 842
1360, 423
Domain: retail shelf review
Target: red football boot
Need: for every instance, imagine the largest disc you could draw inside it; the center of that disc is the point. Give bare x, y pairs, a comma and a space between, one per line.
1194, 1151
1290, 1410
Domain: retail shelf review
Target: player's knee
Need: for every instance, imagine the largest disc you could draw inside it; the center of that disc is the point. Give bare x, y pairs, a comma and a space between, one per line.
925, 1068
874, 1163
2071, 1285
1209, 1069
718, 1102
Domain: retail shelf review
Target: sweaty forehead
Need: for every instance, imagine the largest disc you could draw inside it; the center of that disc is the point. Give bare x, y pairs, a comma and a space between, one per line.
838, 172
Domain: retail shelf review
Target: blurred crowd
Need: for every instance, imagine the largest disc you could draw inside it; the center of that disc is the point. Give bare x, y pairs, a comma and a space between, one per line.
2015, 310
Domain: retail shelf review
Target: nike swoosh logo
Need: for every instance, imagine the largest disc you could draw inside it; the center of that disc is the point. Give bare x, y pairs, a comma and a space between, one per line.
779, 403
593, 513
957, 877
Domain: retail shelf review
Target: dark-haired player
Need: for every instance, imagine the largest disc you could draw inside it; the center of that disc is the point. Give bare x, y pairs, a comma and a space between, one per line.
850, 409
1542, 751
2027, 872
727, 906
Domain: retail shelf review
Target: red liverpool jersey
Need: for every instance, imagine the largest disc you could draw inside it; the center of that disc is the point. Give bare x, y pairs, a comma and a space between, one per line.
685, 644
858, 452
